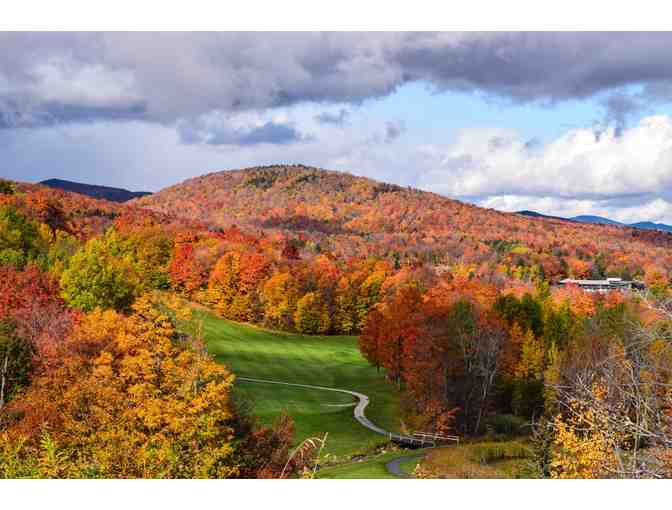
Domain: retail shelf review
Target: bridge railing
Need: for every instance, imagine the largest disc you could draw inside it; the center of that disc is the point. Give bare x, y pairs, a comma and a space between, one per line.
435, 438
423, 438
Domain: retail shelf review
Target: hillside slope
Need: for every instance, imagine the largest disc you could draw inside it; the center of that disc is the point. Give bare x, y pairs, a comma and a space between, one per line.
85, 216
348, 215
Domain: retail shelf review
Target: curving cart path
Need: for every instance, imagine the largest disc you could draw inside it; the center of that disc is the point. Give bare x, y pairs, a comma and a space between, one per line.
394, 466
362, 402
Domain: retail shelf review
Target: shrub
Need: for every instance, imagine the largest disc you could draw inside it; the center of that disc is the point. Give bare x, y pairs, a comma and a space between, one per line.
490, 452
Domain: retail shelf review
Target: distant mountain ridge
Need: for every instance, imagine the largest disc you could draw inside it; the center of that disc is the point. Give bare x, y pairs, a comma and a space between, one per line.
649, 225
600, 220
119, 195
535, 214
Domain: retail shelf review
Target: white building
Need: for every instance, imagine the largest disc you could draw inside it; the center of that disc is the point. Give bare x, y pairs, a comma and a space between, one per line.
603, 285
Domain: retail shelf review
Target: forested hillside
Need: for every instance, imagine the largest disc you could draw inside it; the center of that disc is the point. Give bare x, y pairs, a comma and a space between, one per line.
338, 213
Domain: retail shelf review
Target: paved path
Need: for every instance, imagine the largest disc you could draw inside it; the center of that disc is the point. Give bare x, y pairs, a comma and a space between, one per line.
362, 402
394, 466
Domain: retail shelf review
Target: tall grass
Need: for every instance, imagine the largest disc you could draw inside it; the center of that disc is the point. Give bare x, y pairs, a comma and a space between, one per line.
505, 459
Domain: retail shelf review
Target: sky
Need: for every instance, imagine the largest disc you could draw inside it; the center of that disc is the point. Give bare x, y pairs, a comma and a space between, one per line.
557, 122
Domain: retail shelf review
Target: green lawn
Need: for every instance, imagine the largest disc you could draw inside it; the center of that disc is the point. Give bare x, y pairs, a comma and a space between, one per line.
331, 361
373, 468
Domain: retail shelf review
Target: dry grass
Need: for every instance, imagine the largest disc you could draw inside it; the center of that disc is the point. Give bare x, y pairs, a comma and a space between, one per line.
483, 460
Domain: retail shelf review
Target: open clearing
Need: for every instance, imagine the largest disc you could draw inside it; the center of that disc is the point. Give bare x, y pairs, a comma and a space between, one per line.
331, 361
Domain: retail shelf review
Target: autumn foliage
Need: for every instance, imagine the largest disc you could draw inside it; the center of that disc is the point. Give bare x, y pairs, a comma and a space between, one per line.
455, 305
129, 398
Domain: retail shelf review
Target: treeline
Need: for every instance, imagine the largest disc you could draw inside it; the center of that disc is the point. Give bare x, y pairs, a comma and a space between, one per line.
105, 395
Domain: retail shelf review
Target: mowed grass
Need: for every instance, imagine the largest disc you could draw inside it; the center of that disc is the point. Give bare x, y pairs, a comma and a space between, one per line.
373, 468
330, 361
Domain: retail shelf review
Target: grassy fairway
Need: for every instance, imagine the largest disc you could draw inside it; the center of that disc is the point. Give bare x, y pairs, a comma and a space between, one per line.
331, 361
371, 468
367, 469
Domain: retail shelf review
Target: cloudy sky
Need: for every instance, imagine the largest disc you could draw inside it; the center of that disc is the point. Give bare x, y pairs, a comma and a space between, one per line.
562, 123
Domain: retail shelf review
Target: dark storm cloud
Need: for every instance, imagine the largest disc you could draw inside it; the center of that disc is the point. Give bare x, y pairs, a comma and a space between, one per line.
54, 114
529, 66
164, 77
218, 131
270, 133
337, 119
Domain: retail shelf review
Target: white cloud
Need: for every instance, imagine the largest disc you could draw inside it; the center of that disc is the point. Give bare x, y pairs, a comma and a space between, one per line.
61, 80
581, 163
625, 174
180, 75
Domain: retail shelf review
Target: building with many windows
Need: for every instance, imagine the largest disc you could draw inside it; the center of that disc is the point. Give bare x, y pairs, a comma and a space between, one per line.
605, 285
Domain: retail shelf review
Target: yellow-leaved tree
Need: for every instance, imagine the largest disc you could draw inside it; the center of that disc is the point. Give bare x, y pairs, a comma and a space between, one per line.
279, 295
130, 398
311, 316
585, 444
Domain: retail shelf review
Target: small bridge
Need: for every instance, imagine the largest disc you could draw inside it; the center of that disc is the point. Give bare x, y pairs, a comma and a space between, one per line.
422, 439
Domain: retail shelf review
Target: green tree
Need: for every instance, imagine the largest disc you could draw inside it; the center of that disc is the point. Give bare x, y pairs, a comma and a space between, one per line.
559, 326
18, 235
100, 275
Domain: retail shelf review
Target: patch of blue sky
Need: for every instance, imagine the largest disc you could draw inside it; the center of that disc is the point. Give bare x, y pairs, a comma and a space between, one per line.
434, 117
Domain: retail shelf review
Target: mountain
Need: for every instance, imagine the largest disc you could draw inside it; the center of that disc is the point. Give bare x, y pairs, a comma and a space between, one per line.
535, 214
586, 218
596, 220
95, 191
600, 220
649, 225
350, 216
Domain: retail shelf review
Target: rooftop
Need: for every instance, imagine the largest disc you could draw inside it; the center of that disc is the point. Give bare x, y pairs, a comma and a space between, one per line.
608, 283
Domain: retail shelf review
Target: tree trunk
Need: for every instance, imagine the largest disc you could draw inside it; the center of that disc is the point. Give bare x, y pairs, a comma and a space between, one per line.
399, 361
3, 382
484, 397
